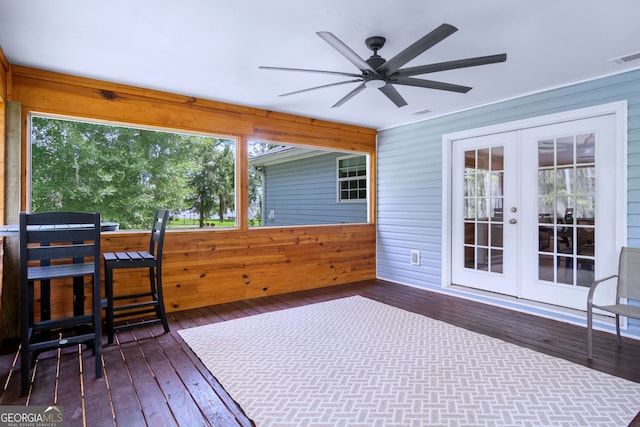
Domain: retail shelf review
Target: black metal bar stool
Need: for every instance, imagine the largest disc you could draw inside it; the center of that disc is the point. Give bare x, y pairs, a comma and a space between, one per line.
138, 304
58, 245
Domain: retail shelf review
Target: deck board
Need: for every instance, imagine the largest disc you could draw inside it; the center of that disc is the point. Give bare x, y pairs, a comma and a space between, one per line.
126, 405
154, 378
46, 387
203, 394
178, 398
69, 389
155, 408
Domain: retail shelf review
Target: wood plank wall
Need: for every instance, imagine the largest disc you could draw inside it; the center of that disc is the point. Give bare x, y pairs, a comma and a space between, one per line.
204, 267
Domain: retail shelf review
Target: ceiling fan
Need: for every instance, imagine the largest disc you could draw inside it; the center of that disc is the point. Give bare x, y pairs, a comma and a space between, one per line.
377, 72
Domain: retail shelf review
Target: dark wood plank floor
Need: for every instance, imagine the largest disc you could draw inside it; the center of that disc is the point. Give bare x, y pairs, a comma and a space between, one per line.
154, 379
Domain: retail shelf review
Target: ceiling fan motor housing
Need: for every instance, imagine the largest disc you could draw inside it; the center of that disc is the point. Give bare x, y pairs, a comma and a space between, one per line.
375, 61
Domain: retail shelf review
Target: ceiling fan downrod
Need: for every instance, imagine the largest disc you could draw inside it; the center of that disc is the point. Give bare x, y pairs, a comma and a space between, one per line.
375, 43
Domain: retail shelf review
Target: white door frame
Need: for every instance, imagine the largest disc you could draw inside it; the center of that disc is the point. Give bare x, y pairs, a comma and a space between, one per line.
618, 109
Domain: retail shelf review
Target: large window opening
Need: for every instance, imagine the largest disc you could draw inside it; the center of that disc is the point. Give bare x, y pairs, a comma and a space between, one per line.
295, 185
126, 173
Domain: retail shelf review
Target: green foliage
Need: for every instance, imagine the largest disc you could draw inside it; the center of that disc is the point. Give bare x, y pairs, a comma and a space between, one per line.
212, 180
125, 173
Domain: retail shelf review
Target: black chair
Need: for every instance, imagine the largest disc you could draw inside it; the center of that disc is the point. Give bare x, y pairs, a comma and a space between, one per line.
138, 304
58, 245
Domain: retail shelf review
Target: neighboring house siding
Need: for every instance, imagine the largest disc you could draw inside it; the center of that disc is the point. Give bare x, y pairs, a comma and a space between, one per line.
303, 192
409, 171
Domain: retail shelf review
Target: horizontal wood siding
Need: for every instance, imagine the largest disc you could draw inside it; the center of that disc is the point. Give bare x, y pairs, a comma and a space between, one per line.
201, 267
212, 266
303, 192
47, 92
409, 170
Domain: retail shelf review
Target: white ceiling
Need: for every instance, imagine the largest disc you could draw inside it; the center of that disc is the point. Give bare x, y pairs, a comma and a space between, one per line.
212, 49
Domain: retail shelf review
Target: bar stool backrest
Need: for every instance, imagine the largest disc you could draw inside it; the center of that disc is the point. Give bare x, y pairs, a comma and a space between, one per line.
158, 228
50, 236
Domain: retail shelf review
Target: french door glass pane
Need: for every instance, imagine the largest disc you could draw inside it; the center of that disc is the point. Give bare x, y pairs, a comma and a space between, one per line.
483, 205
566, 209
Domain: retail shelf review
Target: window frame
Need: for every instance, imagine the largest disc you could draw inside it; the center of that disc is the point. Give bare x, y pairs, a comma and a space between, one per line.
339, 180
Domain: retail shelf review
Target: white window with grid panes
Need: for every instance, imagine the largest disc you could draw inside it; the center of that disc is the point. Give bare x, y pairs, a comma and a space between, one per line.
352, 179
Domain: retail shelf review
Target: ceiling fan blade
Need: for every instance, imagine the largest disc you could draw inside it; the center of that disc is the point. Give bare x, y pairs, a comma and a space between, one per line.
350, 95
320, 87
430, 84
452, 65
393, 95
346, 51
424, 43
338, 73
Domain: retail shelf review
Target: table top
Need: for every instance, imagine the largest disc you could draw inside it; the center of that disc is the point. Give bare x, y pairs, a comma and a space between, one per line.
14, 229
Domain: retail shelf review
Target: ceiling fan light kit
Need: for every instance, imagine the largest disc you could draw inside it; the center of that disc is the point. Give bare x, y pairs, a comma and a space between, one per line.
375, 82
379, 73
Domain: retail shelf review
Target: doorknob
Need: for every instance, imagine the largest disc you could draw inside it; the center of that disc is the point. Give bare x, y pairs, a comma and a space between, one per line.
513, 221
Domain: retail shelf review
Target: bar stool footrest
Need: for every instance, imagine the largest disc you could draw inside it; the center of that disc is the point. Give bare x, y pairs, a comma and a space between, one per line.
134, 313
135, 306
67, 322
132, 296
40, 346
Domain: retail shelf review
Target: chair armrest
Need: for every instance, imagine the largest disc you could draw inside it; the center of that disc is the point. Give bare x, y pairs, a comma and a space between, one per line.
592, 289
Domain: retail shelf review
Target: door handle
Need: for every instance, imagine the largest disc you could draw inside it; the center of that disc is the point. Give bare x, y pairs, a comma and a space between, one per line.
513, 221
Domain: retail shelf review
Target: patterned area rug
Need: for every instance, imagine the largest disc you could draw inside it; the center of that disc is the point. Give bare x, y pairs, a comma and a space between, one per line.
357, 362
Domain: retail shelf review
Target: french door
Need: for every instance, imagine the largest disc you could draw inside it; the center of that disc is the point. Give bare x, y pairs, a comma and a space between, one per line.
533, 211
485, 213
570, 230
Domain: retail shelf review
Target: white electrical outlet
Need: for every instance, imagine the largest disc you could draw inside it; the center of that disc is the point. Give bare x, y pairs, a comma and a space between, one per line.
415, 257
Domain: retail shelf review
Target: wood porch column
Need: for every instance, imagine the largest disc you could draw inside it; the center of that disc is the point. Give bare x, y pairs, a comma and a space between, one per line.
11, 263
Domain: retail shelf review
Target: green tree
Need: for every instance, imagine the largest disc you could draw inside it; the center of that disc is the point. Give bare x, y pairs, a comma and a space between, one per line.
213, 181
125, 173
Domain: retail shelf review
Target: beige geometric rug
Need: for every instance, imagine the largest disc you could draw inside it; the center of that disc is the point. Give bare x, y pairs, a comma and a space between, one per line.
358, 362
